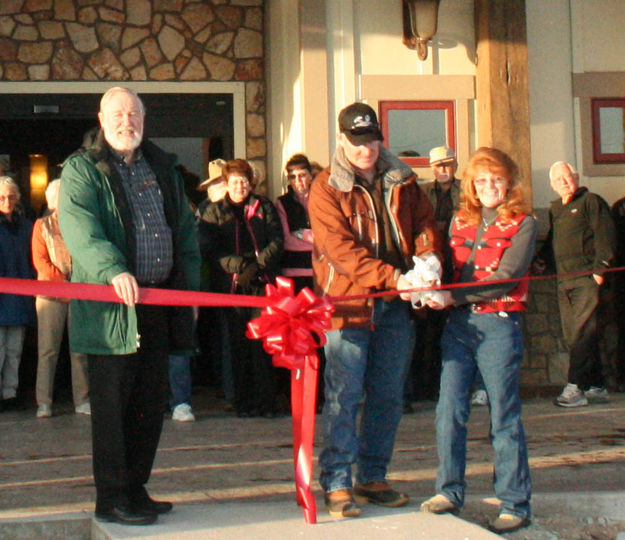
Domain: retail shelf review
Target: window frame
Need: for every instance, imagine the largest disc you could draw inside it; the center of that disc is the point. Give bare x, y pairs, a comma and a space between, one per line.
448, 106
598, 156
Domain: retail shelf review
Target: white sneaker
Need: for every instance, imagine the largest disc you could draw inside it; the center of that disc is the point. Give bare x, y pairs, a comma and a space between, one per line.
44, 411
84, 408
183, 413
571, 396
597, 394
480, 398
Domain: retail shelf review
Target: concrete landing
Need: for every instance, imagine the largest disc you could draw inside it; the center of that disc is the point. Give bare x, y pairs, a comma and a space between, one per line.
232, 477
238, 521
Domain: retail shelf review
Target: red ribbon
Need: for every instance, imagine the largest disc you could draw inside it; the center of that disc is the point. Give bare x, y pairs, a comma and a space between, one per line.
106, 293
490, 282
292, 328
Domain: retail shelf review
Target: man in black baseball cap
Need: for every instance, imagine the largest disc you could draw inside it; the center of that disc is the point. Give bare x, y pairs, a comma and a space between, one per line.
369, 218
359, 123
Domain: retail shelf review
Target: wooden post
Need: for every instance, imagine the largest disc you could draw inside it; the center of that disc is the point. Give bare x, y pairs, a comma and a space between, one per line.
502, 88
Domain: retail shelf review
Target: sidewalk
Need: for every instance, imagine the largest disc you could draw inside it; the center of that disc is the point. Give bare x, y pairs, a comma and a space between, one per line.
233, 478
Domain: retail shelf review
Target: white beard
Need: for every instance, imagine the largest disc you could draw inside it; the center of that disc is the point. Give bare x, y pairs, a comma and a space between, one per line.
126, 143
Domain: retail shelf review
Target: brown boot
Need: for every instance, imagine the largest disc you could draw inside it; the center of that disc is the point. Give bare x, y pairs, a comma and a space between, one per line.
341, 503
379, 493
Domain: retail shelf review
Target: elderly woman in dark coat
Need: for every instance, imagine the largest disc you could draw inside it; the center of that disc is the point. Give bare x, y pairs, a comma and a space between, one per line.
241, 238
16, 311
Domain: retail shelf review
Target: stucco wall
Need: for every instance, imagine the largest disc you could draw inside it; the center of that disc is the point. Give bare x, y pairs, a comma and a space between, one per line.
552, 127
599, 39
380, 47
566, 37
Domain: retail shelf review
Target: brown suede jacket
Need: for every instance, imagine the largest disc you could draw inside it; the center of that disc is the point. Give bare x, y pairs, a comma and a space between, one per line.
345, 228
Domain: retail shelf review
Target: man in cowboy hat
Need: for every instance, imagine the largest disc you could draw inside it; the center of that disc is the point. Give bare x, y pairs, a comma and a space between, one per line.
444, 190
215, 184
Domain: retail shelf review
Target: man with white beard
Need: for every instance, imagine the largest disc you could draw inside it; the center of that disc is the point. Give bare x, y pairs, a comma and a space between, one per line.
126, 222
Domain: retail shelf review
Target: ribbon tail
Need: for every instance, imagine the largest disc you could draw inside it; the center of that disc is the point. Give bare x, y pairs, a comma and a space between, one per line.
297, 398
303, 407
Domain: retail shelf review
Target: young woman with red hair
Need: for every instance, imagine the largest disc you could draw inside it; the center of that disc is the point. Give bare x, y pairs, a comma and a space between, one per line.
491, 238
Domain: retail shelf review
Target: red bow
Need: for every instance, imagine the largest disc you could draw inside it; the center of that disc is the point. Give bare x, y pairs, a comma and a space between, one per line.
292, 328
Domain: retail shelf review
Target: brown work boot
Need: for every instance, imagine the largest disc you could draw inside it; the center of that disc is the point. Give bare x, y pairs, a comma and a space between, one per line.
341, 503
379, 493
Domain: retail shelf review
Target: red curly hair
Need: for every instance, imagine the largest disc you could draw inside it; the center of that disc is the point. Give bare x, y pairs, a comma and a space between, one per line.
497, 162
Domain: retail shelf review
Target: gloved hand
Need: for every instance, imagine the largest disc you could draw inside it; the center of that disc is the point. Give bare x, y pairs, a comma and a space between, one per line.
248, 275
426, 273
429, 268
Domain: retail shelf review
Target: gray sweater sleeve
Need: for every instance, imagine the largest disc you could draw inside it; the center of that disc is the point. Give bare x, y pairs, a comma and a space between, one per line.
514, 264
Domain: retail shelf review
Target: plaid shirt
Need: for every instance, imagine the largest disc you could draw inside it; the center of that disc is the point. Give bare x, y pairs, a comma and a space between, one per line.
153, 235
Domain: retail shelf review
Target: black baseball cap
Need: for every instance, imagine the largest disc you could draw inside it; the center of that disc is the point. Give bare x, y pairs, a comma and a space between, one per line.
360, 124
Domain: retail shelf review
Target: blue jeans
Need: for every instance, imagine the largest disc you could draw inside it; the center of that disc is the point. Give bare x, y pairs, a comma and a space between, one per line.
494, 345
179, 379
369, 362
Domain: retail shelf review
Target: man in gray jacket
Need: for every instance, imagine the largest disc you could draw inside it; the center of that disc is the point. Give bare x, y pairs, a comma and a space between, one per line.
126, 223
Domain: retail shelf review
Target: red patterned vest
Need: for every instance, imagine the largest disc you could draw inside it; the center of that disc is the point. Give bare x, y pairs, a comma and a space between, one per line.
493, 244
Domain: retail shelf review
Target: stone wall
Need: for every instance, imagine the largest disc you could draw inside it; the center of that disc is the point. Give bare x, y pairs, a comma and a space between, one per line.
546, 358
140, 40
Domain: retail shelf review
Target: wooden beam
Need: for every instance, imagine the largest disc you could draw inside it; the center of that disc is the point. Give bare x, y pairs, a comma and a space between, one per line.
502, 88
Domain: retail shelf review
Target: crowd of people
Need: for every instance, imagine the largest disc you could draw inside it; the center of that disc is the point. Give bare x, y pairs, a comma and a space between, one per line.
119, 216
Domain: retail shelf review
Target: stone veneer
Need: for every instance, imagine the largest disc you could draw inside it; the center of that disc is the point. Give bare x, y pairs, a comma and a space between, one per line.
140, 40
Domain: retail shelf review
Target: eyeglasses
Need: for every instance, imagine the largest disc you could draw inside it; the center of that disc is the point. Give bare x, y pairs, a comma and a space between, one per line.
303, 175
497, 180
238, 181
10, 198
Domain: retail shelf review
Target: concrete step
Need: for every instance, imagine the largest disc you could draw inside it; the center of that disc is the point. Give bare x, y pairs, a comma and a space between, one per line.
51, 526
238, 521
242, 521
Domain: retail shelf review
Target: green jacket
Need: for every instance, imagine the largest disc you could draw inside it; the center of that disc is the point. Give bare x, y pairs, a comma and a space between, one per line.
96, 224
